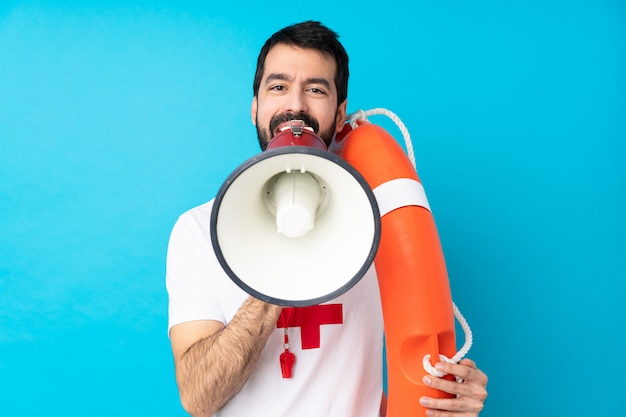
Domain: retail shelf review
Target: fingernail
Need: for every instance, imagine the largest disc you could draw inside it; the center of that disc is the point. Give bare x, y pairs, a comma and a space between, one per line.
424, 401
439, 366
427, 380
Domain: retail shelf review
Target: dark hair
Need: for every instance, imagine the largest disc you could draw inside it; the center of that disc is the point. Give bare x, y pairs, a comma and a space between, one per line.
311, 35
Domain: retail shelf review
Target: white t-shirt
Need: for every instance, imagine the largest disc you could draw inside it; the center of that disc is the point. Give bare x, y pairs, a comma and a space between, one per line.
340, 378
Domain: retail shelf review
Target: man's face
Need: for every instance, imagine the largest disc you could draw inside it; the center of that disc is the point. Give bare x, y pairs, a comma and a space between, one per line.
297, 83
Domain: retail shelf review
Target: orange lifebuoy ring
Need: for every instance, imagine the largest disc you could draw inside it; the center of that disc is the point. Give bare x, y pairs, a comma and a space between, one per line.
415, 293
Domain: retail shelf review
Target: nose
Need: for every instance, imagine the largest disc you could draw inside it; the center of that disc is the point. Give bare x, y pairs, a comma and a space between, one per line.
296, 102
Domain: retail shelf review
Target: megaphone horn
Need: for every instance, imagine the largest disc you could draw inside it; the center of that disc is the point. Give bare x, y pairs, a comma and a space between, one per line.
295, 225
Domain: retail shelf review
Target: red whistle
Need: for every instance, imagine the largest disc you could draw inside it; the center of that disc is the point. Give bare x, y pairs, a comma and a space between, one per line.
287, 360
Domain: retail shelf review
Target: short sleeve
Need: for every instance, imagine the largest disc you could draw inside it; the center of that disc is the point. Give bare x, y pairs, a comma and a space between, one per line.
190, 271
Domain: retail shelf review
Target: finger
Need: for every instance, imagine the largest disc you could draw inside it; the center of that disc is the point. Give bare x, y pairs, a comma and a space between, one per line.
466, 370
468, 362
451, 406
439, 404
452, 387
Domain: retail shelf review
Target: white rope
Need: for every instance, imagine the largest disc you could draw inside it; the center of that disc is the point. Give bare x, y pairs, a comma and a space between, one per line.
362, 115
428, 367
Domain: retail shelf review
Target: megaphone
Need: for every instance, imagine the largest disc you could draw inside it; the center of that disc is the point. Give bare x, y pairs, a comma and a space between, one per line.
295, 225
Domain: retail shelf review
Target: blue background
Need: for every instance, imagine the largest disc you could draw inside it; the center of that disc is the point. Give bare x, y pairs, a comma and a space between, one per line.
115, 117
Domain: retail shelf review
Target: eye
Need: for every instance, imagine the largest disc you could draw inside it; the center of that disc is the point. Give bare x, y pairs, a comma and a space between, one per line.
277, 87
316, 90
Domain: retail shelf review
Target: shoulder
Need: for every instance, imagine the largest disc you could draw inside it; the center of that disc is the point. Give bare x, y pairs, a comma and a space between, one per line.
200, 214
194, 222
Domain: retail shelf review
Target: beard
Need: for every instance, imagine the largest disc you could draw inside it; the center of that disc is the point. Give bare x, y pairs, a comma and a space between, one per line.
265, 135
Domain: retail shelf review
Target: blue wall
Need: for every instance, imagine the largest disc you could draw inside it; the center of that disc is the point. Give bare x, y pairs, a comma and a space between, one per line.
118, 116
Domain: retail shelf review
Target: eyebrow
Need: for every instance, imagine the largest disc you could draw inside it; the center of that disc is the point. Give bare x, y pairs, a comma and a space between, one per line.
285, 77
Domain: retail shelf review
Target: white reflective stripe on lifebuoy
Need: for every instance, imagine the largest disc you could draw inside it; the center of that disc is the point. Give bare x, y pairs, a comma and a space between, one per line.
398, 193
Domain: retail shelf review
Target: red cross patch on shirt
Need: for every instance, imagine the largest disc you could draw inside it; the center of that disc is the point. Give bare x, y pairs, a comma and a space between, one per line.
309, 319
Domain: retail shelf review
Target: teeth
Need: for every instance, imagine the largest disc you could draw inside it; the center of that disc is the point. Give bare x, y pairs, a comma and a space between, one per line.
310, 129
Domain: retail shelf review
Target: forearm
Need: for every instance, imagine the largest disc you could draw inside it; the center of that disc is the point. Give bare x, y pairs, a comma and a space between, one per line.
214, 369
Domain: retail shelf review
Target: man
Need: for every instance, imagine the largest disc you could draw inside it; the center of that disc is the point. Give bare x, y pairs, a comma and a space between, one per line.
227, 344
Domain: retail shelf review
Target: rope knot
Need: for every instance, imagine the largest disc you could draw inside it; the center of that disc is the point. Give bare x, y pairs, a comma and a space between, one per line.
428, 367
355, 117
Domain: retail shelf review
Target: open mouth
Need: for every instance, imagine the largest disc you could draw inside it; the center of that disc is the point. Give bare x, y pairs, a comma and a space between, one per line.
286, 126
284, 121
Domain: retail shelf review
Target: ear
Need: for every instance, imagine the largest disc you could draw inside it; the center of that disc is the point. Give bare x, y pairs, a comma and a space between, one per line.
340, 119
253, 110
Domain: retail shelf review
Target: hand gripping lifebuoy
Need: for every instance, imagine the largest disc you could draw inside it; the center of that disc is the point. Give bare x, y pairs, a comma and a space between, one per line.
415, 293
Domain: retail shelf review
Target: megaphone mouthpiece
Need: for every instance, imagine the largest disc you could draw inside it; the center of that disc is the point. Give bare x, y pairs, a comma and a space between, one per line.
297, 134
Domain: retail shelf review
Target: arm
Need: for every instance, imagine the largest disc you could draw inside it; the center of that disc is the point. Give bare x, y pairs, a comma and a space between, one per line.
470, 395
214, 361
